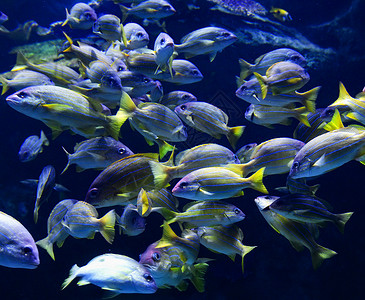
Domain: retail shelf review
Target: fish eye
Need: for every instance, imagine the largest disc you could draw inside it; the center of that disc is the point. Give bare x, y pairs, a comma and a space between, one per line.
267, 197
146, 80
87, 16
93, 193
226, 34
184, 184
156, 256
148, 277
235, 157
183, 107
27, 250
243, 88
120, 68
252, 116
139, 34
185, 97
166, 7
22, 95
195, 72
162, 41
121, 150
295, 165
236, 211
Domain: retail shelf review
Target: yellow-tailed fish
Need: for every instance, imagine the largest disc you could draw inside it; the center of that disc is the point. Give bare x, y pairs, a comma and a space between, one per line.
81, 16
305, 133
175, 98
164, 49
110, 28
155, 199
245, 152
32, 146
280, 14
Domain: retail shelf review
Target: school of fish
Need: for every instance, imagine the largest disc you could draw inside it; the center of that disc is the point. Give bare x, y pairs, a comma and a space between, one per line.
122, 80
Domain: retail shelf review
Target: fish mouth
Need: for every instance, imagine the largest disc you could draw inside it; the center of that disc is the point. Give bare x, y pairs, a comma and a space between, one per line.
13, 99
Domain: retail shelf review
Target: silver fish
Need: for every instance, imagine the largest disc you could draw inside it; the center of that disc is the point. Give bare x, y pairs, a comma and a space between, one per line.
32, 146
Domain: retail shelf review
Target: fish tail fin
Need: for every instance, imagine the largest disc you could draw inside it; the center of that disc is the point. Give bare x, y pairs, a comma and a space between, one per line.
342, 220
164, 148
197, 278
256, 181
5, 84
125, 11
262, 83
168, 235
245, 250
309, 98
68, 49
47, 245
162, 174
71, 276
107, 226
21, 62
35, 214
143, 204
68, 160
302, 115
124, 37
239, 169
335, 123
245, 69
169, 215
319, 254
67, 18
82, 69
234, 134
126, 107
44, 139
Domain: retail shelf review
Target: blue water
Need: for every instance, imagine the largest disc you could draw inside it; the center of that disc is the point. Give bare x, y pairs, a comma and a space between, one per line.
272, 271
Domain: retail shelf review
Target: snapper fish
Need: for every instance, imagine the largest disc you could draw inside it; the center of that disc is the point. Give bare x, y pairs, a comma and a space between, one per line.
246, 8
305, 133
23, 79
175, 98
280, 14
245, 152
164, 49
96, 153
154, 200
116, 273
81, 16
56, 231
265, 61
109, 28
32, 146
137, 36
18, 249
131, 222
298, 234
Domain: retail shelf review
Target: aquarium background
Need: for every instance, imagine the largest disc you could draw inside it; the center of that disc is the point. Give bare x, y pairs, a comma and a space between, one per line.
272, 271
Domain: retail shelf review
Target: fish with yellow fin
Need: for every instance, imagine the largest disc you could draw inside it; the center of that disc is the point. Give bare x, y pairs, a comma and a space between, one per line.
280, 14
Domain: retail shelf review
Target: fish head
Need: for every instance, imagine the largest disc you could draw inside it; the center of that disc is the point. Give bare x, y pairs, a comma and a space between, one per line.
167, 9
184, 110
119, 65
164, 43
185, 72
26, 101
100, 194
117, 150
296, 58
234, 214
225, 37
328, 113
301, 168
138, 39
250, 113
143, 281
132, 222
111, 81
264, 202
244, 153
184, 97
87, 14
249, 91
188, 187
155, 259
25, 155
21, 253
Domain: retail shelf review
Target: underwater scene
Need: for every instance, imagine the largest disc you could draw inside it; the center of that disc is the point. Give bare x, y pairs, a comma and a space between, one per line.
182, 149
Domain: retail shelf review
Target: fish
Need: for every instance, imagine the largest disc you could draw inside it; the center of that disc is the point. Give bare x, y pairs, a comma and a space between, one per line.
57, 72
176, 98
329, 150
276, 155
216, 183
122, 180
280, 14
18, 249
270, 115
116, 273
282, 77
155, 199
164, 49
156, 93
110, 28
137, 36
225, 239
204, 213
23, 79
131, 222
46, 184
188, 243
299, 186
60, 109
81, 16
96, 153
3, 17
209, 119
250, 92
265, 61
305, 133
245, 152
167, 268
32, 146
154, 121
184, 71
297, 233
202, 156
207, 40
150, 9
81, 221
136, 84
246, 8
308, 209
55, 230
